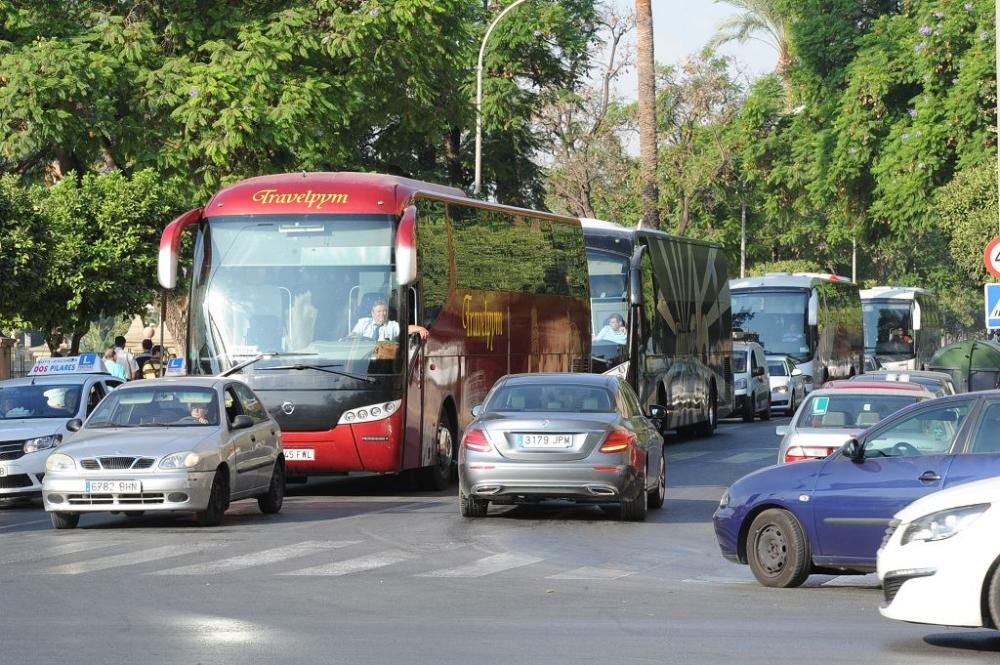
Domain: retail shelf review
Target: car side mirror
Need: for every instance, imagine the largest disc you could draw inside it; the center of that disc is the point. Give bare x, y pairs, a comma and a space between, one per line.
476, 410
781, 430
657, 412
758, 371
796, 372
854, 451
74, 425
242, 421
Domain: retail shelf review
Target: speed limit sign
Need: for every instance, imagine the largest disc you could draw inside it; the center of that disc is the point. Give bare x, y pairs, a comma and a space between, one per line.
991, 257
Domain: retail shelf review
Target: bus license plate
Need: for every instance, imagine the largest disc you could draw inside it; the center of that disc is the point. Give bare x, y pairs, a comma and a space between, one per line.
306, 454
3, 471
544, 440
113, 487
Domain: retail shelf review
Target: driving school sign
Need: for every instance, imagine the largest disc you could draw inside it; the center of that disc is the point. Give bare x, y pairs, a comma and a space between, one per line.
991, 257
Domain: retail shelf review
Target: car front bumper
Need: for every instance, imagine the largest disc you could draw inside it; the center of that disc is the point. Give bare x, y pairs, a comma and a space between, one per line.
23, 476
934, 582
161, 491
583, 481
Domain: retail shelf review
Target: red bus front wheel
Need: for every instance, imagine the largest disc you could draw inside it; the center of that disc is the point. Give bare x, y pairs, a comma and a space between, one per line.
438, 477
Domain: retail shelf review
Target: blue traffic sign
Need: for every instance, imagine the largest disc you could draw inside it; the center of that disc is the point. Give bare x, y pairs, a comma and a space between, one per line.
992, 292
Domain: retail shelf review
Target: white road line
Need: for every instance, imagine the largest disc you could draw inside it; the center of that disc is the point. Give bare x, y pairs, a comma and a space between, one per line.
128, 559
261, 558
746, 458
43, 552
486, 566
12, 526
684, 456
357, 565
869, 581
591, 573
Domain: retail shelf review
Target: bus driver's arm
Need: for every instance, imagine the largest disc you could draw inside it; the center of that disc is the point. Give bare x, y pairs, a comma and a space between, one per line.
414, 329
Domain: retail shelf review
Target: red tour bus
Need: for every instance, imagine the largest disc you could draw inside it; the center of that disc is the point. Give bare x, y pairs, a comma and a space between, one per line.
308, 287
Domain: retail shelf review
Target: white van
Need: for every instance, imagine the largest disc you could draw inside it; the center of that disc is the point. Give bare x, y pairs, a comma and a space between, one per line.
751, 380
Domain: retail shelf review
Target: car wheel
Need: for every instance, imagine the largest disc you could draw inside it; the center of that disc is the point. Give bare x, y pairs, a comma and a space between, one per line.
993, 597
64, 520
659, 493
748, 408
791, 404
708, 427
271, 502
766, 413
470, 506
438, 477
777, 550
218, 501
634, 509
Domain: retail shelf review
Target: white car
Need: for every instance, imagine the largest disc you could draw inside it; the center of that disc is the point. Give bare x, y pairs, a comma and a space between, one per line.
751, 381
191, 444
938, 562
788, 383
34, 411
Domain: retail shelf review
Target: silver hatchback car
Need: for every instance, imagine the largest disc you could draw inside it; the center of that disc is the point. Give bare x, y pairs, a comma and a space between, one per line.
580, 437
181, 445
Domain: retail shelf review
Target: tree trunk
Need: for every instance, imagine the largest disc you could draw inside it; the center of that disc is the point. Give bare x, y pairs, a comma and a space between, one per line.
647, 114
74, 348
453, 156
176, 322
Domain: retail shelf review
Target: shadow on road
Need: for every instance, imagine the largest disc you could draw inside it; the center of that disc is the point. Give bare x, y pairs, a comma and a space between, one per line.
986, 641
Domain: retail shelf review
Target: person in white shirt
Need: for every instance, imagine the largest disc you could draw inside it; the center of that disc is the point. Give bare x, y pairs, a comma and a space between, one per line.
379, 328
125, 359
614, 330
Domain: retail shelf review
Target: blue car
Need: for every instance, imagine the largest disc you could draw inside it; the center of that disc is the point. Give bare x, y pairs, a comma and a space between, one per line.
829, 515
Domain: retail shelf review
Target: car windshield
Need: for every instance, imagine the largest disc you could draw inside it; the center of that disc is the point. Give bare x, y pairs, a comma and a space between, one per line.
39, 401
739, 362
174, 406
847, 411
551, 398
776, 368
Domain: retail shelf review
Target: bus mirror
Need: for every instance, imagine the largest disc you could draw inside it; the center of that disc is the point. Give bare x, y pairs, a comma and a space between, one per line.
814, 308
406, 248
916, 315
170, 247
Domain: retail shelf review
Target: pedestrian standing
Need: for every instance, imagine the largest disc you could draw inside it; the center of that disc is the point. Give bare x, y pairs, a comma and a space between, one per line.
142, 358
114, 368
126, 359
153, 367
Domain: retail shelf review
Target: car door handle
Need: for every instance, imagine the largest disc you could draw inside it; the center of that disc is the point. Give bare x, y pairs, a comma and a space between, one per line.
929, 477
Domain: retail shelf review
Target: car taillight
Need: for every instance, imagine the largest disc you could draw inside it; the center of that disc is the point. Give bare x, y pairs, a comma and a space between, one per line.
617, 441
476, 441
799, 453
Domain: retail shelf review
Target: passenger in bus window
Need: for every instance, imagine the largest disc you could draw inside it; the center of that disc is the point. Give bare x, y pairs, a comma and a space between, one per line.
613, 330
379, 328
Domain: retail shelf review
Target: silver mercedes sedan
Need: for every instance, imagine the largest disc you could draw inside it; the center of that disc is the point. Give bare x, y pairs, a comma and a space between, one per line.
176, 444
580, 437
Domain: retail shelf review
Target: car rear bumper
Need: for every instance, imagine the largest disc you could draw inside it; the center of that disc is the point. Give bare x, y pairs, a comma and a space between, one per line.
179, 491
586, 482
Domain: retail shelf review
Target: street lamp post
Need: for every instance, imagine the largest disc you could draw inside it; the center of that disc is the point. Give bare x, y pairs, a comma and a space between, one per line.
477, 187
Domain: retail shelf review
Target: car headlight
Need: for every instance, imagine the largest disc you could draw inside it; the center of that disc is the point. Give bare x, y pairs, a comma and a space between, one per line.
59, 462
943, 524
182, 460
741, 384
781, 389
724, 501
41, 443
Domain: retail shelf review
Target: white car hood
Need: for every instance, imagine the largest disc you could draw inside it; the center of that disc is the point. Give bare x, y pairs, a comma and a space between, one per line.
145, 441
18, 430
778, 381
967, 494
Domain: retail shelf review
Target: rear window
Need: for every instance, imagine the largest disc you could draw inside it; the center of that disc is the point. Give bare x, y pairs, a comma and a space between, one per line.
776, 368
847, 411
552, 398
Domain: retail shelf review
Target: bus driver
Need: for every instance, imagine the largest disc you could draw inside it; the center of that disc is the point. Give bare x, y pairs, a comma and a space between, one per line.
379, 328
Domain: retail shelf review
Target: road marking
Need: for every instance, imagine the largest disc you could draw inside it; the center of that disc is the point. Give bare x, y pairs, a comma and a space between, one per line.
684, 456
486, 566
358, 565
261, 558
869, 581
746, 458
129, 559
43, 552
11, 526
591, 573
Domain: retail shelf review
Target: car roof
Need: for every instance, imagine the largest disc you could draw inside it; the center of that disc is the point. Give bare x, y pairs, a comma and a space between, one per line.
883, 385
872, 389
178, 381
53, 379
941, 376
549, 378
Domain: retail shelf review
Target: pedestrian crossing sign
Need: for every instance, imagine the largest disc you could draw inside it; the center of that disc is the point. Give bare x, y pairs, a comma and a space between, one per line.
992, 292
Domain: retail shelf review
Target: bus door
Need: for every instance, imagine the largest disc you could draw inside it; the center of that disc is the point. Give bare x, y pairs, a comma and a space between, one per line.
636, 364
413, 434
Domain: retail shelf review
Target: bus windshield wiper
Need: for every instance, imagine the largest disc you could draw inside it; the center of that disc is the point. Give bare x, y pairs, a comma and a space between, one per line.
261, 356
324, 368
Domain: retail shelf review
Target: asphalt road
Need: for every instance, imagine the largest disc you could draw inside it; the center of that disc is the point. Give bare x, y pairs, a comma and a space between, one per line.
365, 571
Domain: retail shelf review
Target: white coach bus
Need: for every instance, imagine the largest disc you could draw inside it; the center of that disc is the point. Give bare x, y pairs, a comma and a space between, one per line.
902, 326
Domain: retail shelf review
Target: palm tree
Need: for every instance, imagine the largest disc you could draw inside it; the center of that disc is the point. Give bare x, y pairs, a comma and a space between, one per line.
647, 113
760, 20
